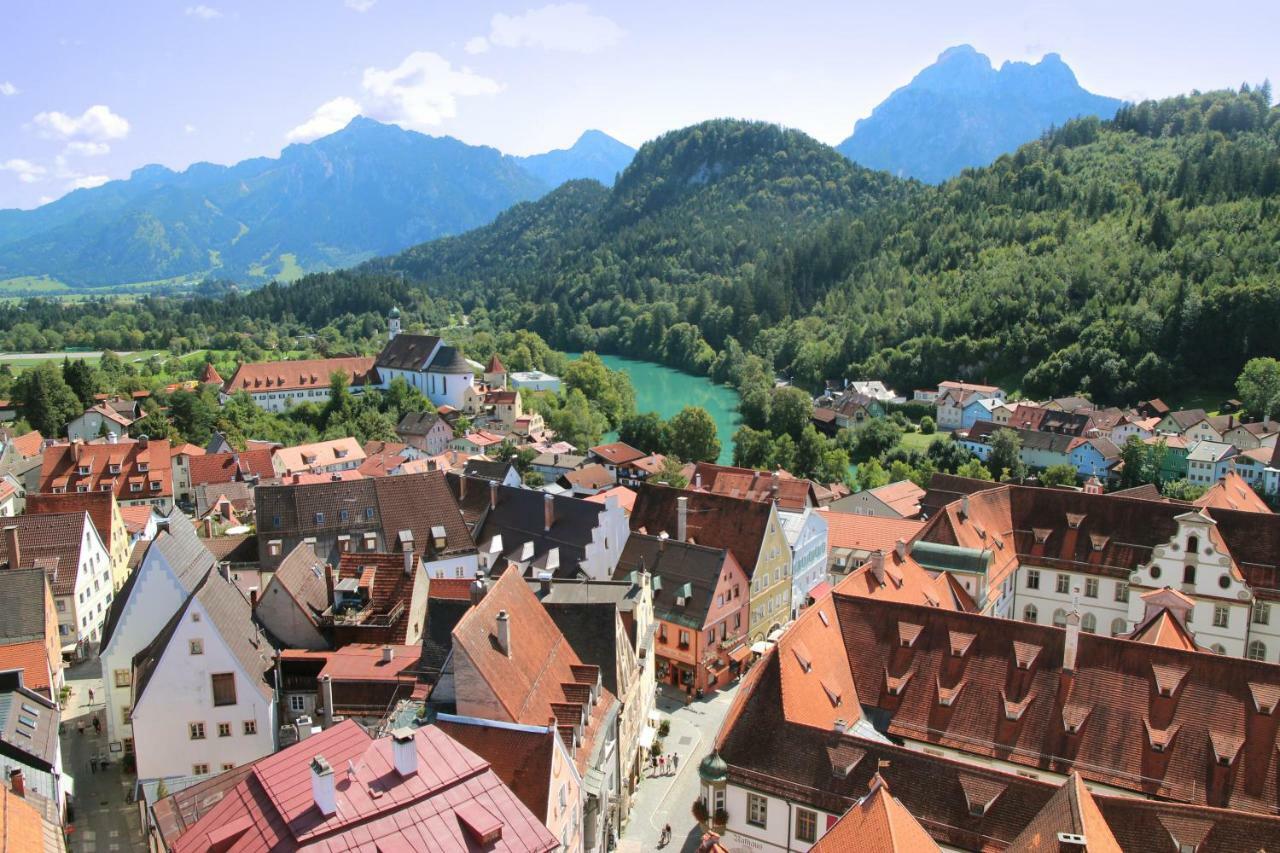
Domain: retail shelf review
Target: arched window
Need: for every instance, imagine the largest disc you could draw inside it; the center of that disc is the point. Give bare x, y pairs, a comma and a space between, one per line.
1060, 618
1218, 649
1189, 574
1257, 651
1089, 624
1118, 626
1193, 544
1029, 613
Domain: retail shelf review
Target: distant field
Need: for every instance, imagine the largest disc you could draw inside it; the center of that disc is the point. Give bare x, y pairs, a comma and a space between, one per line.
23, 360
28, 285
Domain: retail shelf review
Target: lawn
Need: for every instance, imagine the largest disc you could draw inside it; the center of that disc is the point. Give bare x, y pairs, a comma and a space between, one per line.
919, 441
23, 360
32, 285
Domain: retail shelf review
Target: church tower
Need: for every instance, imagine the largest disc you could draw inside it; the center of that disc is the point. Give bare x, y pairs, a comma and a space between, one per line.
393, 324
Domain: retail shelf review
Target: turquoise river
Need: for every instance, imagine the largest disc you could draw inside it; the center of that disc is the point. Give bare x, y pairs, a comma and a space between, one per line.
666, 391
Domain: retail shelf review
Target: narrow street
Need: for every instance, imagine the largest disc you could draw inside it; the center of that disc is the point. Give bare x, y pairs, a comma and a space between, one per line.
104, 819
668, 799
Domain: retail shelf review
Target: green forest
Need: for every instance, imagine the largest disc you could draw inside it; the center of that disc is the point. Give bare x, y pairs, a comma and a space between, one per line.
1101, 258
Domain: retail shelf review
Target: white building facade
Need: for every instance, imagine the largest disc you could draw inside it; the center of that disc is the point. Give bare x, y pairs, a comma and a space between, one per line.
806, 533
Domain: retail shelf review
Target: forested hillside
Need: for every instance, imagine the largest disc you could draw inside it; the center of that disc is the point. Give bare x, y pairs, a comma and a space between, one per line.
1124, 259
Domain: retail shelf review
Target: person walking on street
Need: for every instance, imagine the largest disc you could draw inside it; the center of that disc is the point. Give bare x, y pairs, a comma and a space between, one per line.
665, 838
675, 762
97, 726
93, 764
662, 765
90, 695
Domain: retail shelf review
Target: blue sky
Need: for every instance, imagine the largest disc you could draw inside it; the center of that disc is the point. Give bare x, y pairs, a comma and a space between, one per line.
90, 90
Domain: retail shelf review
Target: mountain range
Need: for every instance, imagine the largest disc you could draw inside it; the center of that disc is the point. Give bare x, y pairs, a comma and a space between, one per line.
961, 112
373, 189
369, 189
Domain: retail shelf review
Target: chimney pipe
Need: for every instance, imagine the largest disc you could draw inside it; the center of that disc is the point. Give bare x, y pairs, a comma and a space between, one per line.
112, 438
208, 527
544, 582
493, 494
253, 598
328, 583
548, 511
326, 696
900, 548
143, 441
18, 782
224, 569
323, 790
504, 632
479, 587
1072, 644
877, 566
15, 550
388, 654
682, 518
408, 562
697, 482
404, 751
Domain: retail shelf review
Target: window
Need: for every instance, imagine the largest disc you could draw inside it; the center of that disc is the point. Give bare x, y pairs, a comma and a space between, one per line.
1090, 587
224, 730
122, 677
684, 639
1257, 651
1189, 574
757, 810
1033, 578
1029, 613
226, 767
1060, 618
199, 769
1221, 615
1155, 572
251, 727
1122, 591
1218, 649
1064, 584
806, 825
196, 731
1261, 613
124, 715
1118, 626
61, 605
224, 688
1089, 624
1193, 544
196, 647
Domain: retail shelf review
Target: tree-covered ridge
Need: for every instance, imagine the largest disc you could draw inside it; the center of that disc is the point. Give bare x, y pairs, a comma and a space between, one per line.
1125, 259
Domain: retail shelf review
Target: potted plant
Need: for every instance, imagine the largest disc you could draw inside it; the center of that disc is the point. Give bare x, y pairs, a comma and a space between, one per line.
664, 728
700, 812
722, 817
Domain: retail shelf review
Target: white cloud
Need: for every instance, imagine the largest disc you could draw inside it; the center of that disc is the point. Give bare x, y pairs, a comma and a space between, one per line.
479, 44
560, 26
188, 128
88, 149
329, 117
96, 123
422, 91
203, 12
27, 172
87, 182
360, 5
8, 89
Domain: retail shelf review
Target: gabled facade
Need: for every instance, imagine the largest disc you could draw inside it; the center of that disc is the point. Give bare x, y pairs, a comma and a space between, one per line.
425, 362
292, 604
104, 512
201, 700
279, 385
172, 565
136, 471
425, 432
806, 533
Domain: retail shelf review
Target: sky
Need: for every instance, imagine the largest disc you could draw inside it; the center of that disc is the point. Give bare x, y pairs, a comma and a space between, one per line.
90, 90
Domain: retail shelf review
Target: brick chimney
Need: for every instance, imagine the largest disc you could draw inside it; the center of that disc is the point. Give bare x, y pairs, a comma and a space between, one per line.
479, 588
328, 583
11, 542
1072, 642
682, 518
876, 561
504, 632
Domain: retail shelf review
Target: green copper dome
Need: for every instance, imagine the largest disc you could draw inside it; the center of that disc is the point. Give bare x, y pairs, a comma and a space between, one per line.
713, 769
394, 315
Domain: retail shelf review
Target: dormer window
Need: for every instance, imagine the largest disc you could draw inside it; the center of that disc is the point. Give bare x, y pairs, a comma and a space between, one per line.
143, 467
1041, 534
82, 470
155, 485
82, 488
319, 518
1074, 520
113, 468
135, 487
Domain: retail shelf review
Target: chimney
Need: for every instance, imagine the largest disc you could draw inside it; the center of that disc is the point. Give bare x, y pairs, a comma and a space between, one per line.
404, 751
11, 542
504, 632
697, 482
544, 583
877, 566
328, 583
112, 438
900, 548
224, 569
548, 511
1072, 644
388, 654
253, 598
18, 782
143, 442
409, 557
323, 789
479, 587
493, 494
208, 527
326, 696
839, 726
964, 507
682, 518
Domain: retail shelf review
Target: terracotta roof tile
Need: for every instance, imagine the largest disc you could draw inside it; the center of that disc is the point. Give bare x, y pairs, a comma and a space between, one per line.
877, 824
718, 521
116, 466
228, 467
273, 376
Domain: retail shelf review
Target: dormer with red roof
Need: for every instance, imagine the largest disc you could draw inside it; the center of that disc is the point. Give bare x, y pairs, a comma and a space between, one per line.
136, 471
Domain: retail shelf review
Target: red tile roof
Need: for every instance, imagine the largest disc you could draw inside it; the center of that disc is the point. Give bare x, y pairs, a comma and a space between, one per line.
62, 463
50, 541
1073, 811
33, 659
495, 365
867, 532
390, 591
719, 521
891, 577
593, 476
99, 505
436, 808
878, 824
271, 376
28, 444
1162, 628
362, 661
227, 467
209, 375
541, 679
135, 518
790, 492
902, 497
456, 589
1233, 492
521, 757
618, 453
626, 497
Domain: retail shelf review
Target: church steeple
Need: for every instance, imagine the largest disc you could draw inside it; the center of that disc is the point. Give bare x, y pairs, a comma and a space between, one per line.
393, 324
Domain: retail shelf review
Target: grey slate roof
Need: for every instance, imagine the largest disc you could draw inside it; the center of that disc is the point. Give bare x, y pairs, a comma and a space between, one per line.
22, 603
486, 469
302, 576
417, 423
676, 567
449, 360
28, 723
585, 612
407, 352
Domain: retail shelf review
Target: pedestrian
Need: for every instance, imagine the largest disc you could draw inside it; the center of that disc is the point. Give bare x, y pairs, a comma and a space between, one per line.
662, 765
90, 695
93, 764
97, 726
80, 726
666, 836
675, 761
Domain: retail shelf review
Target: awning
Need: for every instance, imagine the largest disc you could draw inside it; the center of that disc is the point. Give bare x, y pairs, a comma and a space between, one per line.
655, 715
740, 654
68, 784
647, 734
775, 635
759, 647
